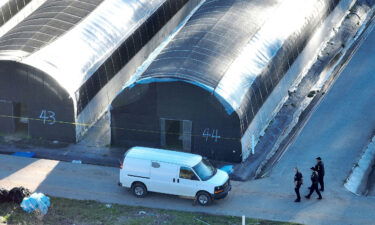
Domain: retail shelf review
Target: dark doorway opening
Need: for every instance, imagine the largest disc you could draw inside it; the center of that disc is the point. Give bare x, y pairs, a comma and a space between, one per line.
21, 119
176, 134
173, 135
7, 120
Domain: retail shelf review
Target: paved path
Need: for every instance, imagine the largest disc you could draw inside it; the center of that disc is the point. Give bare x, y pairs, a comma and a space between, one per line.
337, 131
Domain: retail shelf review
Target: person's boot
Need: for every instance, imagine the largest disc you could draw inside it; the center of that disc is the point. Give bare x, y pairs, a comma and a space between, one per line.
320, 198
307, 196
297, 200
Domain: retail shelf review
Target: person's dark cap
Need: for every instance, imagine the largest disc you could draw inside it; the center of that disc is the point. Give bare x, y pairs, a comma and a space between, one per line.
312, 168
318, 158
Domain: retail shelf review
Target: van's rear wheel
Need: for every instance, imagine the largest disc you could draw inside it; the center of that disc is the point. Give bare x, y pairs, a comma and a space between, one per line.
204, 198
139, 190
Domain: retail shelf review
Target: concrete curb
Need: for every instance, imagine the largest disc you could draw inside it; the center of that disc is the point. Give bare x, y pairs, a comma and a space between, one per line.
357, 180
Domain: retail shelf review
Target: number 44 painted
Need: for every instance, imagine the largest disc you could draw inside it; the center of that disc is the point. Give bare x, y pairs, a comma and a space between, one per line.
214, 135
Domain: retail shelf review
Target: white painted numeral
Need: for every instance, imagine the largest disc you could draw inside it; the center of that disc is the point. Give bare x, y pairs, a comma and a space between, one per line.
48, 117
206, 133
214, 135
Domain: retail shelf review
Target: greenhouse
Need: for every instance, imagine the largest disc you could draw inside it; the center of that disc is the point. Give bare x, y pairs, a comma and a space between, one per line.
206, 89
61, 66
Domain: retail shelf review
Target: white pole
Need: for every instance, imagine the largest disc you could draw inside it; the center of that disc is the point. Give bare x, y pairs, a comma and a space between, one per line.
243, 220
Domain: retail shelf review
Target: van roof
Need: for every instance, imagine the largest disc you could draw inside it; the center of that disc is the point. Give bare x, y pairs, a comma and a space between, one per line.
167, 156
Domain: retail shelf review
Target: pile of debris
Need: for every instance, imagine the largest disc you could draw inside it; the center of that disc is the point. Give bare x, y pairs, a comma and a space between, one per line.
15, 195
36, 202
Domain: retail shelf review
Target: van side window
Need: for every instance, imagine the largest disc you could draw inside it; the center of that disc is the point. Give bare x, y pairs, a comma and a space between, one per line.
187, 173
155, 164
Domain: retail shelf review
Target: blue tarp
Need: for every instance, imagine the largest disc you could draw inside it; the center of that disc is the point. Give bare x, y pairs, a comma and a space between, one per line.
227, 168
24, 154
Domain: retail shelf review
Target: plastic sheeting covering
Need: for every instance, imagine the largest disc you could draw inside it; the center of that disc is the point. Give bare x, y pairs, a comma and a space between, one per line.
238, 50
36, 201
47, 23
263, 47
9, 8
209, 42
96, 28
70, 57
141, 37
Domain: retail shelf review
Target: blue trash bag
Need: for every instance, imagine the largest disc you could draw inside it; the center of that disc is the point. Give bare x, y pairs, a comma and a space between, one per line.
227, 168
36, 201
29, 204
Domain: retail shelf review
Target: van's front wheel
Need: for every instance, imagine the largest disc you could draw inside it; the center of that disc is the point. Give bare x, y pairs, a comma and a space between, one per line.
139, 190
204, 198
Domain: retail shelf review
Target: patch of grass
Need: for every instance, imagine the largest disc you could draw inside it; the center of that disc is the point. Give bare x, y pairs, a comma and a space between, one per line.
68, 212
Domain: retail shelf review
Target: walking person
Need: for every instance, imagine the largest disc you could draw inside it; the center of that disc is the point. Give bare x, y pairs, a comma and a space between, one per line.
314, 184
319, 167
298, 181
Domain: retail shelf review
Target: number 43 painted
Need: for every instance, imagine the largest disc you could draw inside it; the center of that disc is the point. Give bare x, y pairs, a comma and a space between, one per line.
48, 117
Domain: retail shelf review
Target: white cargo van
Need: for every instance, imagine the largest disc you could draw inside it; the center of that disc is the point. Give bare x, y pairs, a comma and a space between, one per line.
171, 172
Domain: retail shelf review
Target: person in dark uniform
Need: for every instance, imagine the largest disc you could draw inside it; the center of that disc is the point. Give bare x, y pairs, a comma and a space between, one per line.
319, 167
298, 181
314, 184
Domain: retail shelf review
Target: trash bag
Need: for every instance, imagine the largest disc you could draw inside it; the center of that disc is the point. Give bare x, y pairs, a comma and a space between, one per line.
3, 195
29, 204
17, 194
36, 201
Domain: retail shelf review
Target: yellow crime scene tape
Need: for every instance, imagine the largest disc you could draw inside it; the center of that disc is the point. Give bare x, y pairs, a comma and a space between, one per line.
117, 128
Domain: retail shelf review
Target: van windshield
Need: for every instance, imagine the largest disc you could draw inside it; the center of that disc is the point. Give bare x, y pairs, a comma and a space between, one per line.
205, 170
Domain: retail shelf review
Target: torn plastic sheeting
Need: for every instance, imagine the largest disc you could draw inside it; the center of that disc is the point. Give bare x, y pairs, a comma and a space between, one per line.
36, 201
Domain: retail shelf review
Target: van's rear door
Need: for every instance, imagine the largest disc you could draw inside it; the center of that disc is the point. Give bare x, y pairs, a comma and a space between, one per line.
163, 178
135, 170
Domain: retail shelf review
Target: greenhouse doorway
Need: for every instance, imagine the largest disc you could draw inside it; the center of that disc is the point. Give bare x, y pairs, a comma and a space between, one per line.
21, 119
13, 118
176, 134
